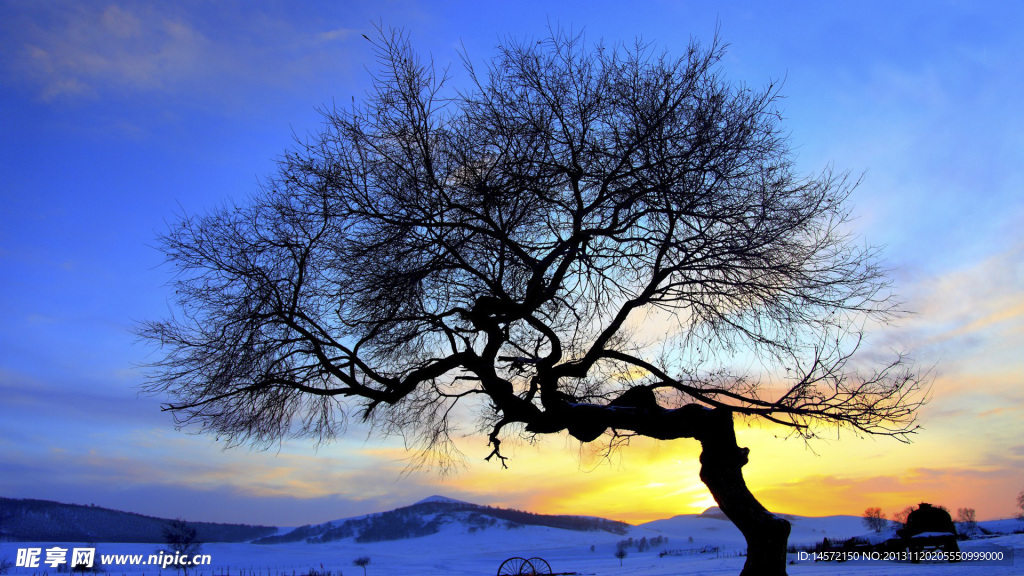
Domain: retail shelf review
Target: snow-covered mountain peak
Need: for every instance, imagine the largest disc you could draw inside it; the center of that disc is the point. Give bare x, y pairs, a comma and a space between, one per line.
436, 499
714, 512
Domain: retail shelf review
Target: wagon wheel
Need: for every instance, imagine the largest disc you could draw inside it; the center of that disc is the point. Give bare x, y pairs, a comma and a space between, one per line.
516, 567
540, 565
915, 553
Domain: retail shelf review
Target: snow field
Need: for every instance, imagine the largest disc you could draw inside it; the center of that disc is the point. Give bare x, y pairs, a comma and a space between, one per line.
455, 551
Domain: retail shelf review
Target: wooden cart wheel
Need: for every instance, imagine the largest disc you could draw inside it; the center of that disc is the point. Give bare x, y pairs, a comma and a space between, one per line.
540, 565
516, 567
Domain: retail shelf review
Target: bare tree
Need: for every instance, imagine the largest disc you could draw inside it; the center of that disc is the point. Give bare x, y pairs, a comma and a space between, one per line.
603, 242
621, 554
1020, 505
965, 517
874, 519
901, 517
182, 541
362, 562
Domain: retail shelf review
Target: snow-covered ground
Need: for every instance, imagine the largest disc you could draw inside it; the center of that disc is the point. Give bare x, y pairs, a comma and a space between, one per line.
457, 551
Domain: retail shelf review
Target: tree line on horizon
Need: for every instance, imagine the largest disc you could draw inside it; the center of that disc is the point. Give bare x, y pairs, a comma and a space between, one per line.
28, 520
966, 518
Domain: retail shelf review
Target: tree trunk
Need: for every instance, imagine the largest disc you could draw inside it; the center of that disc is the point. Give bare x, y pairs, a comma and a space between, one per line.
722, 462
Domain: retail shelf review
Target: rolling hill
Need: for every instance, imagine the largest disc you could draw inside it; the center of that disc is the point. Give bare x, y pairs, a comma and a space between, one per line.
48, 521
429, 515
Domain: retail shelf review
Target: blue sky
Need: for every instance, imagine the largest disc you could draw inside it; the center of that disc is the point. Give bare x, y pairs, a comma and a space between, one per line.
117, 117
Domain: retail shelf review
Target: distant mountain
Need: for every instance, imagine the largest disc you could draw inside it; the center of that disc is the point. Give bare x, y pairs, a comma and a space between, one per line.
441, 499
47, 521
713, 512
429, 515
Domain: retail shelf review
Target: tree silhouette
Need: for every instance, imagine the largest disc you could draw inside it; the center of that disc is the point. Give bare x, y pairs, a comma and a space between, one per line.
901, 517
620, 554
182, 540
362, 562
602, 242
967, 520
874, 519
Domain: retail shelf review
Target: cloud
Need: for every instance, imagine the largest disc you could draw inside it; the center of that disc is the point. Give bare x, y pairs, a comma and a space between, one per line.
336, 34
186, 471
68, 51
87, 50
966, 319
987, 490
977, 297
33, 406
220, 504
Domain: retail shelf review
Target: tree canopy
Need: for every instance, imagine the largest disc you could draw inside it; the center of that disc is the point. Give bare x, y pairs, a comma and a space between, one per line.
582, 239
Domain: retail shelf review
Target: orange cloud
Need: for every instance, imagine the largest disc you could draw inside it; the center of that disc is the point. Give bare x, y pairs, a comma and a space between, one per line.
989, 492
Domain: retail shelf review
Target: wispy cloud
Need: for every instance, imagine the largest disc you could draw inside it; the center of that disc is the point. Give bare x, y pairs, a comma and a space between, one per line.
85, 50
979, 297
193, 468
68, 50
958, 313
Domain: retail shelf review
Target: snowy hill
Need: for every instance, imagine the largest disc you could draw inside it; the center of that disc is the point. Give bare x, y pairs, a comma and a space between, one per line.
690, 544
429, 516
442, 500
712, 527
456, 551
